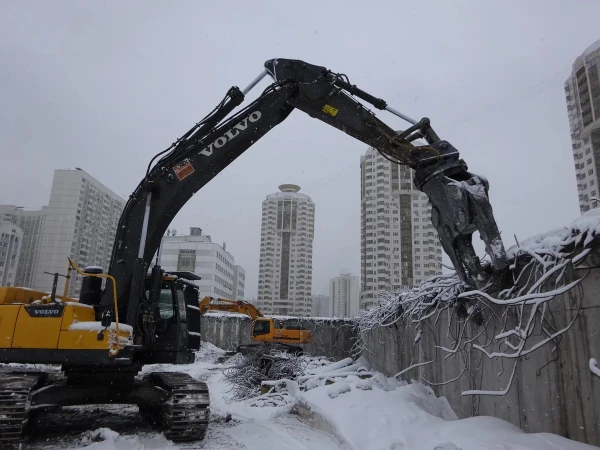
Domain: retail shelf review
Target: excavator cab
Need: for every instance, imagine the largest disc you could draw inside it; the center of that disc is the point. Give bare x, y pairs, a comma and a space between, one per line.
262, 329
178, 318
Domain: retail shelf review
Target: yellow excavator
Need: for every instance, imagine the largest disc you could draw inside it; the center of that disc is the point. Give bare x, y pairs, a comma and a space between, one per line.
264, 329
144, 316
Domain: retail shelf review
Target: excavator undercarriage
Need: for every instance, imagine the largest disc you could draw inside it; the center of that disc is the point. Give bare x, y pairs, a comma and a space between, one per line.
174, 402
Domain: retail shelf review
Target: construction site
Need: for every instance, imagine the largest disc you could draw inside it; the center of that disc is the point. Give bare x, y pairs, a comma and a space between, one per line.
475, 320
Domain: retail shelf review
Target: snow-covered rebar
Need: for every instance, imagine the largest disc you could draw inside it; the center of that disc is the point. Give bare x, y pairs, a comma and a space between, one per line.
250, 370
507, 325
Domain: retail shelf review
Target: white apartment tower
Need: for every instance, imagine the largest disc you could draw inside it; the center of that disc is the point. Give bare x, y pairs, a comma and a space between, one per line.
197, 253
321, 306
11, 238
344, 294
285, 265
399, 246
32, 225
582, 91
239, 282
81, 220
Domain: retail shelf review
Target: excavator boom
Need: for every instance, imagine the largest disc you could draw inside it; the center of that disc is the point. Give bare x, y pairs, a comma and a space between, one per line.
460, 204
103, 339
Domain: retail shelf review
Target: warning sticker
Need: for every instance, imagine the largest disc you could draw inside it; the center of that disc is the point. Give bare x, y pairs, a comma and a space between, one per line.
184, 169
328, 109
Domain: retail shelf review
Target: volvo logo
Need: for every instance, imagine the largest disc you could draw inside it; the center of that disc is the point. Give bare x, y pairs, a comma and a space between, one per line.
236, 130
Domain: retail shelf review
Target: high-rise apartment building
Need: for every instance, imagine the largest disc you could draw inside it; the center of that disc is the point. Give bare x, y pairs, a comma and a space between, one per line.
81, 221
582, 91
321, 306
197, 253
11, 238
285, 265
344, 292
239, 282
32, 225
399, 246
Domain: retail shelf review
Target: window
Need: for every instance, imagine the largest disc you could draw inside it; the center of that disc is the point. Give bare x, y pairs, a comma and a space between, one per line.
165, 304
186, 260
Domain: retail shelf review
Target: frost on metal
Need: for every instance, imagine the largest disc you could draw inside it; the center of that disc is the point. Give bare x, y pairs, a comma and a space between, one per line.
500, 324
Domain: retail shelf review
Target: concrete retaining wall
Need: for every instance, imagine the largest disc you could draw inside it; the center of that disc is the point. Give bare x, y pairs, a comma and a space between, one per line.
551, 392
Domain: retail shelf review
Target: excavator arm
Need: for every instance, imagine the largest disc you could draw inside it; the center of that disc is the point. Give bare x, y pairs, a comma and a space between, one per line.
234, 306
459, 199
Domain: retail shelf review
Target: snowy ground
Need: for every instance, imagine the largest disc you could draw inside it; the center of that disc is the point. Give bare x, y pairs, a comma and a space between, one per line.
372, 413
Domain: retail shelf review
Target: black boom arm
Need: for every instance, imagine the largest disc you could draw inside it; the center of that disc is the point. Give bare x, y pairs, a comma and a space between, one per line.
459, 198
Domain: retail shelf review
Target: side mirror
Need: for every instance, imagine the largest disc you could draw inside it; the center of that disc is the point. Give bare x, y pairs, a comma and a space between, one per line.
106, 319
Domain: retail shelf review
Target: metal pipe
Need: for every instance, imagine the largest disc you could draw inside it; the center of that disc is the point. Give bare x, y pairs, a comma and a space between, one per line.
255, 82
399, 114
145, 226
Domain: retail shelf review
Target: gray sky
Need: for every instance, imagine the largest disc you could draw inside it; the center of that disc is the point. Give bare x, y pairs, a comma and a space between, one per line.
104, 85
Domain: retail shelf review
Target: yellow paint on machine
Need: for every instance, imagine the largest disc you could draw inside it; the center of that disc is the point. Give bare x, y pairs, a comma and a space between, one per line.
19, 330
8, 319
84, 340
11, 295
36, 332
76, 313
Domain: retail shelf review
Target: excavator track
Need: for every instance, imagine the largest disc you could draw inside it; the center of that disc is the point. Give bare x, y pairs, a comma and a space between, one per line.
185, 414
15, 399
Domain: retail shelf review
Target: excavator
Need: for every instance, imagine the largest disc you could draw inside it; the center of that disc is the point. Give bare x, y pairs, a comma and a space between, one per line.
103, 339
264, 329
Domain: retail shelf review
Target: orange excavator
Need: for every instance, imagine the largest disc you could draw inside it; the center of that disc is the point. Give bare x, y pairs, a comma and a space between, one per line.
264, 329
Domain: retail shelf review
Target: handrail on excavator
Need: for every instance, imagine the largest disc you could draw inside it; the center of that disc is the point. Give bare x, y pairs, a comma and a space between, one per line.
114, 350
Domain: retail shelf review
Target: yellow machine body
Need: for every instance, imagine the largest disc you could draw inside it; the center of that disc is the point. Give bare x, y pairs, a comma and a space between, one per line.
264, 330
30, 320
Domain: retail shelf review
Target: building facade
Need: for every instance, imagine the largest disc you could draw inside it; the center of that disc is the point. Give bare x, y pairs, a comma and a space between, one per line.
32, 225
582, 92
197, 253
11, 238
321, 306
344, 292
285, 265
399, 246
80, 222
239, 282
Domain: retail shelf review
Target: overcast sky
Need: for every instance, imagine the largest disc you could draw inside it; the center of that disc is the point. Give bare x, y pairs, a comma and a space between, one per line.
104, 85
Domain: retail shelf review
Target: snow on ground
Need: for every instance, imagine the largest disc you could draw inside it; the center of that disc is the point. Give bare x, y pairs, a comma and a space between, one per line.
120, 427
362, 413
396, 415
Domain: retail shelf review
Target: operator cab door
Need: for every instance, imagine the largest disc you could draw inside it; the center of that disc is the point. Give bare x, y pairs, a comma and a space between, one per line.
261, 330
171, 327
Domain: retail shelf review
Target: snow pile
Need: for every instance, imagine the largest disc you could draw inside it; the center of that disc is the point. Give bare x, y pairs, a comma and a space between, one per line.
397, 415
367, 410
582, 231
107, 439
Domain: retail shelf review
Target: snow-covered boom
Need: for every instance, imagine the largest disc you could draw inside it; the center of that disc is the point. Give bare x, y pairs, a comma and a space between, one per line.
103, 339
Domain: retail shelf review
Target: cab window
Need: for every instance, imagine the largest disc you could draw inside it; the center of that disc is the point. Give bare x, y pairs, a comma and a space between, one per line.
261, 327
181, 303
165, 304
